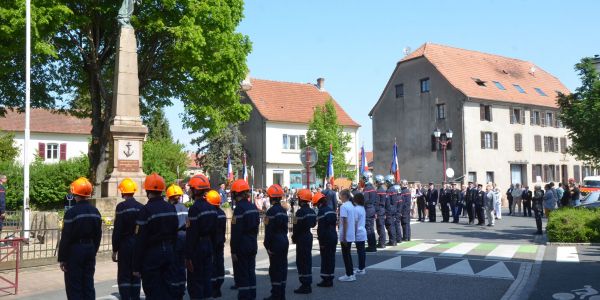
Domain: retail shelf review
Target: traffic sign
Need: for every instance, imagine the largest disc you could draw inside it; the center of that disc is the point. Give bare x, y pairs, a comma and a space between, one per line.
450, 172
309, 157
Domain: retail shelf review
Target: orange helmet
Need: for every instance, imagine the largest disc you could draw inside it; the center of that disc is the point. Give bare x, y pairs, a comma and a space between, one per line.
213, 197
199, 182
317, 197
154, 182
127, 186
239, 186
305, 195
275, 191
81, 187
174, 190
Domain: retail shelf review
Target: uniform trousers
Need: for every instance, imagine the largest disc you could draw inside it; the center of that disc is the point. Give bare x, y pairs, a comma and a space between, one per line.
381, 228
244, 270
421, 208
278, 268
479, 211
304, 246
199, 281
129, 285
327, 260
177, 271
79, 277
394, 232
370, 227
155, 271
218, 271
432, 212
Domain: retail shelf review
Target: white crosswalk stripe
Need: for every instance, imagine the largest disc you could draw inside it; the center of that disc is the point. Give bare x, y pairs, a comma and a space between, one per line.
567, 254
459, 250
503, 252
418, 248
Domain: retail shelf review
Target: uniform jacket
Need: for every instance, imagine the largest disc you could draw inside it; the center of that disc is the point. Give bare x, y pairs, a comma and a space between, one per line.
405, 196
125, 217
454, 196
202, 222
217, 237
182, 214
82, 222
244, 228
327, 220
305, 219
156, 223
276, 228
432, 196
370, 199
480, 198
331, 196
381, 200
393, 198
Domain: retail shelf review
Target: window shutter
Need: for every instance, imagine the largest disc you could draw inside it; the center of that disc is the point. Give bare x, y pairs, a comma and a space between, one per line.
563, 145
531, 120
544, 173
491, 115
495, 140
512, 115
482, 140
555, 144
556, 173
545, 144
533, 173
481, 112
543, 117
42, 150
433, 143
523, 116
63, 151
518, 142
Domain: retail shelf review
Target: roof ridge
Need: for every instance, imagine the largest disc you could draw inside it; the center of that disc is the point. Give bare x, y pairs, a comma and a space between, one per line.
282, 81
476, 51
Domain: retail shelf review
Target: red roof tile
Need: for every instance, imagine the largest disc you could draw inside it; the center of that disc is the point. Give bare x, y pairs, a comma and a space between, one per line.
461, 67
193, 160
46, 121
291, 102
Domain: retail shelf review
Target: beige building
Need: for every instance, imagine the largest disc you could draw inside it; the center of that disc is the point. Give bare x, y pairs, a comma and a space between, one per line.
502, 112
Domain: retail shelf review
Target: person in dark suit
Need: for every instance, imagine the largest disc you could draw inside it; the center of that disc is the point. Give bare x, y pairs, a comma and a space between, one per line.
331, 197
432, 199
479, 205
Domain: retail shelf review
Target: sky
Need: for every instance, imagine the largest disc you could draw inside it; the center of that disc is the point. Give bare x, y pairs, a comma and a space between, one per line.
355, 45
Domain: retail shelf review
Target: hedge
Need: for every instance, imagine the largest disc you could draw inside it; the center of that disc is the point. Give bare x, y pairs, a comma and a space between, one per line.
574, 225
49, 183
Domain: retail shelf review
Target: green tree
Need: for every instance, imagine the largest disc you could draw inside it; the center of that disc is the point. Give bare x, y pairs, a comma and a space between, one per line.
324, 130
580, 111
165, 158
158, 126
187, 50
213, 151
8, 150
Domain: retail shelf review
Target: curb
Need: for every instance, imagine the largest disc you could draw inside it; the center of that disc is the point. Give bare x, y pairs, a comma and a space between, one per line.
571, 244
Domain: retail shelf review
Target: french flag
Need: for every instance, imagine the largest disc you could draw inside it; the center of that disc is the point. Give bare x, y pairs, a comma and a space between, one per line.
229, 169
363, 161
395, 169
244, 171
329, 178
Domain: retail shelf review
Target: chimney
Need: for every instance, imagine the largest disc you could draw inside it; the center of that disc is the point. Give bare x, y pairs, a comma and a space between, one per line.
321, 84
246, 83
596, 62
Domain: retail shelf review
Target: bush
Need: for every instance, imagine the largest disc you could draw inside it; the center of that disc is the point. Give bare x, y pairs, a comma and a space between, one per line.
574, 225
49, 183
164, 157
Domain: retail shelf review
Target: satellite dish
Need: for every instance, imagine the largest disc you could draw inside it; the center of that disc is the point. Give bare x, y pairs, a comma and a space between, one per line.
450, 172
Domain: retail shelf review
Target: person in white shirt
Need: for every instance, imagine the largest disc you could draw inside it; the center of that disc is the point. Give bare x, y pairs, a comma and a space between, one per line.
360, 216
347, 229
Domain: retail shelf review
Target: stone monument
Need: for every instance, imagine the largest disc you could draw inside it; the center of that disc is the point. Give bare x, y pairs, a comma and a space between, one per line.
126, 128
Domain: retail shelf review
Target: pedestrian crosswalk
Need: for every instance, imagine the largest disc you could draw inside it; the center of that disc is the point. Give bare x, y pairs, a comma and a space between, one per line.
488, 251
567, 254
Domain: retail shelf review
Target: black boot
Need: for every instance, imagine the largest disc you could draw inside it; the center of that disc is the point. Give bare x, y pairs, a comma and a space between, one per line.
325, 283
371, 249
303, 289
380, 246
216, 294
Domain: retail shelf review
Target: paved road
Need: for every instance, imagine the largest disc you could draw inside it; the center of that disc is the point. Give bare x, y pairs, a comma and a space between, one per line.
444, 261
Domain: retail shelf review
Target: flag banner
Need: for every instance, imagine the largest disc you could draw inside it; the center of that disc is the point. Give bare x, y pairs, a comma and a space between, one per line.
364, 167
244, 171
394, 168
329, 178
229, 169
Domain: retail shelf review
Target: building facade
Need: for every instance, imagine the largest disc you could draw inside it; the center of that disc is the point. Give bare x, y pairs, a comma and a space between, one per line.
53, 136
502, 112
277, 128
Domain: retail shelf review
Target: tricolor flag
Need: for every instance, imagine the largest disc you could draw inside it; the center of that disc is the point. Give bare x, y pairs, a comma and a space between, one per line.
244, 171
394, 168
364, 167
229, 169
329, 178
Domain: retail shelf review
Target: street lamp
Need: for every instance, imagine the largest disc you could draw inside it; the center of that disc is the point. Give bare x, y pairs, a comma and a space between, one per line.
444, 142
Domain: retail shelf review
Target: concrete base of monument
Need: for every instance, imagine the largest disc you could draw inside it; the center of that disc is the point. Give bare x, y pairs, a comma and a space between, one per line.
110, 186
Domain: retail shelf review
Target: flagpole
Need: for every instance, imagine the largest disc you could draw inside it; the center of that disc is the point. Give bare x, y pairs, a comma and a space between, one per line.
26, 145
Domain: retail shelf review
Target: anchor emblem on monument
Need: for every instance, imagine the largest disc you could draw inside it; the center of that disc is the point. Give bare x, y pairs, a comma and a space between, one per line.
128, 153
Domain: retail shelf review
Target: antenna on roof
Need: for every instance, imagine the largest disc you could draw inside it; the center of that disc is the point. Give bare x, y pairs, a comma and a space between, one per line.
406, 50
532, 70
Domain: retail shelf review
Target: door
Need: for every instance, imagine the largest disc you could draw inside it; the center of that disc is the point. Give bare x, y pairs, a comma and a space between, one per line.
516, 174
564, 174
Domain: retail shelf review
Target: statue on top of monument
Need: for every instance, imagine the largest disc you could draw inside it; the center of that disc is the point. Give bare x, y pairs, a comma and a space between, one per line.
126, 11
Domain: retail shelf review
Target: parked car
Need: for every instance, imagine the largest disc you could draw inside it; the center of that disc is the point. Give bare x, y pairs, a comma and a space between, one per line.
591, 200
590, 184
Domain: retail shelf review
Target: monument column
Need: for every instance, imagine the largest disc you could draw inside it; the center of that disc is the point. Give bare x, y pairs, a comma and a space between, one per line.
126, 128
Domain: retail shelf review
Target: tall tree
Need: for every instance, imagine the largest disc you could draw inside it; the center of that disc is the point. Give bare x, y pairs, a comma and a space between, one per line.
580, 111
8, 150
324, 130
165, 157
187, 50
158, 126
213, 151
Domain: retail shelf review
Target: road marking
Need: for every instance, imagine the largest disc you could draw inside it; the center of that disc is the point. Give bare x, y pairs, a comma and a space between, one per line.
426, 265
498, 270
567, 254
459, 250
461, 268
393, 263
503, 252
418, 248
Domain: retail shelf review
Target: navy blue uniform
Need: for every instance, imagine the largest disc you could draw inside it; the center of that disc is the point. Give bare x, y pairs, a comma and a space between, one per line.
2, 204
405, 213
371, 199
479, 208
304, 220
79, 243
155, 237
331, 198
432, 199
244, 230
380, 211
455, 204
178, 278
123, 239
277, 244
327, 236
218, 242
393, 199
444, 204
202, 219
470, 196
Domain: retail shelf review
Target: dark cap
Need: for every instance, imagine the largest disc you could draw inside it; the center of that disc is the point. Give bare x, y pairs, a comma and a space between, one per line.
453, 183
481, 185
430, 183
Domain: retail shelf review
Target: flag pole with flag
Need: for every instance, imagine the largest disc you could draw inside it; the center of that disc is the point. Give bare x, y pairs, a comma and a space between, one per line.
394, 168
363, 160
229, 169
329, 178
244, 171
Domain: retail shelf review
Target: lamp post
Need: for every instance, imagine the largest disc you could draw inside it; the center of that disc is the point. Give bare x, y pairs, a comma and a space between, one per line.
444, 142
